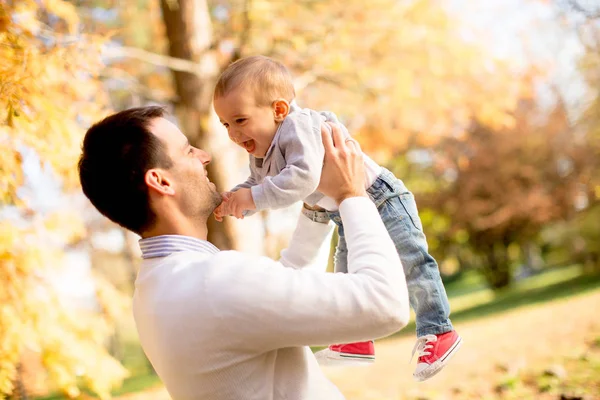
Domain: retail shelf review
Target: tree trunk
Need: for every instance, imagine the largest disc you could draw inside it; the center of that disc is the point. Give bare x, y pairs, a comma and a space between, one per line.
19, 391
189, 32
497, 271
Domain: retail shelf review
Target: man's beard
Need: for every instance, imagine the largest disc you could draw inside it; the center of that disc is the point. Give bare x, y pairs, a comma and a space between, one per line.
201, 201
217, 199
211, 201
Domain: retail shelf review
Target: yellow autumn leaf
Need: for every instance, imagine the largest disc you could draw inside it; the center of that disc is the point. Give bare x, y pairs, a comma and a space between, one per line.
42, 110
64, 10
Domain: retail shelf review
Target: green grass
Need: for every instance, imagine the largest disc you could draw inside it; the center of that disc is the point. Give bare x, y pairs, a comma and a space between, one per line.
471, 299
580, 379
134, 384
137, 384
142, 375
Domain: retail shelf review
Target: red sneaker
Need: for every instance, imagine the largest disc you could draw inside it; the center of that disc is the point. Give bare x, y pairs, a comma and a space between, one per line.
361, 353
434, 353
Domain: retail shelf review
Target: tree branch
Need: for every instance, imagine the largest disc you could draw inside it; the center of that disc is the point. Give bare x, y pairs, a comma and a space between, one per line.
310, 77
160, 60
134, 84
576, 6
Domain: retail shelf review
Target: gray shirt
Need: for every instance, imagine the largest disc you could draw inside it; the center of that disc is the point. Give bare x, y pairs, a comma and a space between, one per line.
291, 169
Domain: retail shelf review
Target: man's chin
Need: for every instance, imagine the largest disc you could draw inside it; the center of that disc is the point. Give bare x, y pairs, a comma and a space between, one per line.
217, 199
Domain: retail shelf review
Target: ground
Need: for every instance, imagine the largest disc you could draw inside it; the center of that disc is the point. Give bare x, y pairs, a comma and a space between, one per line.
547, 350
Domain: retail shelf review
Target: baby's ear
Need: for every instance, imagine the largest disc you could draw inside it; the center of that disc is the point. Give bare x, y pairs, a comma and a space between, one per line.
281, 109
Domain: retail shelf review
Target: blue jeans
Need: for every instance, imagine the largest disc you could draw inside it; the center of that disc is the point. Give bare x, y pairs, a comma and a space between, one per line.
398, 211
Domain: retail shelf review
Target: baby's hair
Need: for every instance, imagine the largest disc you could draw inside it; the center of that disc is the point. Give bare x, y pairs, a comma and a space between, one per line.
269, 79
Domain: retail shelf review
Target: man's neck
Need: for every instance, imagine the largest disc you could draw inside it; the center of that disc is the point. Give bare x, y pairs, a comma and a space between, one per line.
197, 229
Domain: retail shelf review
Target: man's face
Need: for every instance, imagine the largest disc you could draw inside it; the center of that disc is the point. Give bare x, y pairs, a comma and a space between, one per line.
195, 194
250, 125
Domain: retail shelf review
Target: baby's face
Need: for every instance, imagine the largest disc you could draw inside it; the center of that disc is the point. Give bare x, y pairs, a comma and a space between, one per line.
249, 125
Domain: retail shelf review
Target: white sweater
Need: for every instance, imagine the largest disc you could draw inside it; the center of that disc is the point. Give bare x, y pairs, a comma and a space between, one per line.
228, 325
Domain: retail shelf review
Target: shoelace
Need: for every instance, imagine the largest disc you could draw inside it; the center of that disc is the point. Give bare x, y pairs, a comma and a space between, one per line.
422, 345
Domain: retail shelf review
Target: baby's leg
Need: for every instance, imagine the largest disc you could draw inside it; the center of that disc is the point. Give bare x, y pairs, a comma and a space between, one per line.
437, 340
425, 288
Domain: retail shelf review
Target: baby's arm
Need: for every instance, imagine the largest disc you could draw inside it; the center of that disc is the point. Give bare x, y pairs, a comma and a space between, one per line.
238, 198
240, 203
222, 209
300, 141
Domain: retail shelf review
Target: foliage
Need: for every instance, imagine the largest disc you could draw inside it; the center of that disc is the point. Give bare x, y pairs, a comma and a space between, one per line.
501, 187
48, 93
579, 239
412, 78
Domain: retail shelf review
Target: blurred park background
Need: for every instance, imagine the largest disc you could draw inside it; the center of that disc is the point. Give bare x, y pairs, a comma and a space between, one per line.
488, 110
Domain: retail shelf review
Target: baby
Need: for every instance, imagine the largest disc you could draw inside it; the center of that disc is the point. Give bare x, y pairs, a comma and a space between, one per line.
254, 99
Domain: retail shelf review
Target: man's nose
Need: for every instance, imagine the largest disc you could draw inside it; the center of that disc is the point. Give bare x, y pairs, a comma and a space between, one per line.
203, 156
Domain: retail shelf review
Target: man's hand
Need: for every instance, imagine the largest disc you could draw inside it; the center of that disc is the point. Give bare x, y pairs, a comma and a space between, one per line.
343, 174
238, 202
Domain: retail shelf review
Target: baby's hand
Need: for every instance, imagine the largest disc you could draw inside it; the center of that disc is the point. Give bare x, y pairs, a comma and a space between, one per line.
223, 209
240, 201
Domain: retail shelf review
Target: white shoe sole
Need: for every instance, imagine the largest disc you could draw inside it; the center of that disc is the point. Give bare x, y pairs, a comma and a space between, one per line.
437, 366
330, 358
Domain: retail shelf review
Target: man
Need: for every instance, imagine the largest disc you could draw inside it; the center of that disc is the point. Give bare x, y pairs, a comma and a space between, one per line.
223, 324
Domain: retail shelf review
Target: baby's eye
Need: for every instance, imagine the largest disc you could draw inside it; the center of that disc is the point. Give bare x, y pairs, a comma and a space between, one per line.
240, 120
191, 150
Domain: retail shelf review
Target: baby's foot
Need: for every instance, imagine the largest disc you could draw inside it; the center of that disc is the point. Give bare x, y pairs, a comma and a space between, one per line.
434, 353
361, 353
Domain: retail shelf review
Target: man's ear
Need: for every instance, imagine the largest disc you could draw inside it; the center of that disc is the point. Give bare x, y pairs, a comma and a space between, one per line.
157, 180
281, 109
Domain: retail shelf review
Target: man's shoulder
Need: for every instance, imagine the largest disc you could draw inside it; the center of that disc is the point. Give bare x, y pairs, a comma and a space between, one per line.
228, 262
223, 260
236, 277
197, 261
200, 274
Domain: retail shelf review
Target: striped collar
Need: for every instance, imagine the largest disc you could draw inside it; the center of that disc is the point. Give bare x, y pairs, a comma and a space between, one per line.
163, 245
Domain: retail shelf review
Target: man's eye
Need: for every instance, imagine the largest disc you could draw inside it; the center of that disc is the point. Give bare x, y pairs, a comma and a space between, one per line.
240, 120
226, 125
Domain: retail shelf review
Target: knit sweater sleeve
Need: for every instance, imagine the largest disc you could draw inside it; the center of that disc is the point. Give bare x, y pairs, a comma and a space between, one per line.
261, 306
306, 244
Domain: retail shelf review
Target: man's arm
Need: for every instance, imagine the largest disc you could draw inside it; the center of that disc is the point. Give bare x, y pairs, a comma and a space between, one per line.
300, 140
272, 307
308, 241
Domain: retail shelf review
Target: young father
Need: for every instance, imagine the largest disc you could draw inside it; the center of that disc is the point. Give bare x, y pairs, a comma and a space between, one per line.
224, 324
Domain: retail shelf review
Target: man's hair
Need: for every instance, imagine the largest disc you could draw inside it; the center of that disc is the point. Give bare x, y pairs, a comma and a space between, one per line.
269, 79
116, 154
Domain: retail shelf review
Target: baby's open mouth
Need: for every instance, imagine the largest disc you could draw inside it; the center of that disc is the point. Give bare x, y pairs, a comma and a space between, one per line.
249, 145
